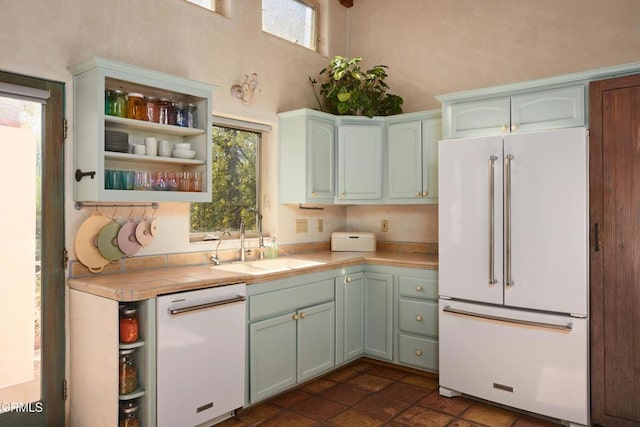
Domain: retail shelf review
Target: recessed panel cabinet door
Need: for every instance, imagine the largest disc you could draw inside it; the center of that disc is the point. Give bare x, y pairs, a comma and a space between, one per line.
353, 316
320, 153
404, 180
470, 219
316, 340
360, 162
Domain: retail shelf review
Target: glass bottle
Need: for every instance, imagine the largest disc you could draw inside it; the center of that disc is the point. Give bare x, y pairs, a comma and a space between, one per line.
150, 109
135, 106
180, 114
191, 115
128, 372
129, 414
118, 103
164, 110
107, 102
129, 330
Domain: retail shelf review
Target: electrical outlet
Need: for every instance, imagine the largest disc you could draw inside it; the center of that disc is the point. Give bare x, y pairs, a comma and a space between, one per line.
384, 225
320, 225
302, 225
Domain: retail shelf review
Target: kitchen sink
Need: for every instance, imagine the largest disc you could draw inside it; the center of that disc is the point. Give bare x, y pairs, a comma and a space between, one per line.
267, 266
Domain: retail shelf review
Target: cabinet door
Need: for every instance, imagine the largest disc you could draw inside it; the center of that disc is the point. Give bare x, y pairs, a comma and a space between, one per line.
480, 118
353, 316
272, 357
550, 109
320, 160
378, 315
431, 134
316, 340
360, 162
405, 158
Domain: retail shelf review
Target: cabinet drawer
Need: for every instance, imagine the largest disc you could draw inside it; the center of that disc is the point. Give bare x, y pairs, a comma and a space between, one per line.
291, 299
418, 287
419, 317
419, 352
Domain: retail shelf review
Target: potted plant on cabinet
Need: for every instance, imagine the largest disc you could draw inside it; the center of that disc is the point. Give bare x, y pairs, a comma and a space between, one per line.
351, 91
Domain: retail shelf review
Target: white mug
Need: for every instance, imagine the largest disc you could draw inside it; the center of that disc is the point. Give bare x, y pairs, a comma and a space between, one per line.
151, 146
139, 149
164, 148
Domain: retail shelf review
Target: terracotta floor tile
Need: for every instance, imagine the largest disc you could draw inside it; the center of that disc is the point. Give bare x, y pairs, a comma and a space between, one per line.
291, 398
345, 394
422, 381
257, 413
423, 417
319, 409
370, 382
450, 405
289, 419
382, 406
384, 372
405, 392
489, 415
318, 386
362, 365
526, 421
341, 375
354, 417
232, 422
459, 422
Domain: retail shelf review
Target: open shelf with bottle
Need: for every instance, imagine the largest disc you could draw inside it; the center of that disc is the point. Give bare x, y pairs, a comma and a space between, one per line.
92, 118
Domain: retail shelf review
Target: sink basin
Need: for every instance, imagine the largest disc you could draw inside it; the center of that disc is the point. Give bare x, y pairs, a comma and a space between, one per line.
267, 266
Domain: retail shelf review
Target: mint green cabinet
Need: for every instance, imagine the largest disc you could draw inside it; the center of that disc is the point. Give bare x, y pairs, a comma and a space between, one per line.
306, 157
350, 316
523, 111
360, 149
412, 160
316, 340
378, 315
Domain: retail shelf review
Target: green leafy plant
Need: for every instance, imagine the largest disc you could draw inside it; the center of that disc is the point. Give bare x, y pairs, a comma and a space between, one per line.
351, 91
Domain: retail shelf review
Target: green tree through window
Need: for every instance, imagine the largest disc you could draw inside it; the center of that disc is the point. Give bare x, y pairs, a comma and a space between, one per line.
234, 182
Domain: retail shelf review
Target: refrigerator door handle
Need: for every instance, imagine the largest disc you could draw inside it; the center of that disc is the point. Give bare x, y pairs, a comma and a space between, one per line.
554, 326
507, 220
492, 220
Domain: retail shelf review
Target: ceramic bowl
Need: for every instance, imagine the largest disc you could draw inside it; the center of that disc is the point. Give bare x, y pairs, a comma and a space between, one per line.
184, 154
182, 146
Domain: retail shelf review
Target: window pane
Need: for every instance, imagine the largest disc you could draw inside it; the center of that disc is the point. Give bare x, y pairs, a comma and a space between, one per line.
20, 135
234, 183
290, 19
207, 4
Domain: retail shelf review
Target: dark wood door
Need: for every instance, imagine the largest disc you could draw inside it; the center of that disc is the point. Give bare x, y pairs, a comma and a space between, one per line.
615, 251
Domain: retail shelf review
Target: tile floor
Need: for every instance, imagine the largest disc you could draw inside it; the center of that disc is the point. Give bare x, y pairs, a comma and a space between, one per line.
368, 393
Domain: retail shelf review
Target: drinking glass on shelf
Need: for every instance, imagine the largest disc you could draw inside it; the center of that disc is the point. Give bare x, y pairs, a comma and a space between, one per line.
142, 181
128, 179
197, 181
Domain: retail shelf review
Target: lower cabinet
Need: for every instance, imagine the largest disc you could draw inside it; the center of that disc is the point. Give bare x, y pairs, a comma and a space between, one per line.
350, 288
292, 347
378, 315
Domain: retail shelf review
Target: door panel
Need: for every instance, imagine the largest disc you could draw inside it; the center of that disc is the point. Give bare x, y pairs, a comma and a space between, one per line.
316, 340
464, 219
549, 229
320, 160
405, 160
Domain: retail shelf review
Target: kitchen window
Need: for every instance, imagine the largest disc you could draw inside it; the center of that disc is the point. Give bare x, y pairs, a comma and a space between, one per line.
221, 7
235, 180
293, 20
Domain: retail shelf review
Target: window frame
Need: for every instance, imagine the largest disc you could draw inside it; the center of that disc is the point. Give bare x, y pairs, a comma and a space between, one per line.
315, 31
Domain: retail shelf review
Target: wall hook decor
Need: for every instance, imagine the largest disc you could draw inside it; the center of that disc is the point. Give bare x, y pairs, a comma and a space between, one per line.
247, 89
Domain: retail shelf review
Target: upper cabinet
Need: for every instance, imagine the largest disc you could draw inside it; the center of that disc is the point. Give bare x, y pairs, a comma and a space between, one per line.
328, 159
306, 157
360, 149
543, 109
412, 158
177, 176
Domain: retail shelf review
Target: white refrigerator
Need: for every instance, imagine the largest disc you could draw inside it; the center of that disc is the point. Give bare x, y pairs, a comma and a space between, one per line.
513, 271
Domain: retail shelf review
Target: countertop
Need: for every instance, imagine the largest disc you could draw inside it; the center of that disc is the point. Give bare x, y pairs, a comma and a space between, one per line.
144, 284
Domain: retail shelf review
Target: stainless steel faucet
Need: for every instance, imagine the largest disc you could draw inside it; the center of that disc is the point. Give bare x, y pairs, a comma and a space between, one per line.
214, 258
243, 250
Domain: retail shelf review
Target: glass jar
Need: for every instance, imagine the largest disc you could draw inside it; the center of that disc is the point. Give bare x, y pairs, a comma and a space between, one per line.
129, 331
129, 414
191, 115
128, 372
107, 102
135, 106
118, 103
151, 109
164, 111
180, 114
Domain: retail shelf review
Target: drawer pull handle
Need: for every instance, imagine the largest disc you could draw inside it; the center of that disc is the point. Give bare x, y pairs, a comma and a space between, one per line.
302, 315
418, 288
503, 128
314, 194
417, 194
419, 318
425, 193
348, 279
295, 317
418, 353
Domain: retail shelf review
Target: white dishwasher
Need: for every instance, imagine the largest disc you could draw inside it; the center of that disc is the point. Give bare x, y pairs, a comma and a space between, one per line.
201, 342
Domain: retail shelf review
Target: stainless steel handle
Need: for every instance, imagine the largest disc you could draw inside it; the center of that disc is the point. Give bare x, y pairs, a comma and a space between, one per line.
492, 221
203, 306
567, 328
508, 279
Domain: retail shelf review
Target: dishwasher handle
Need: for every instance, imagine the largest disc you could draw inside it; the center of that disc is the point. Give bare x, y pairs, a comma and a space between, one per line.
190, 308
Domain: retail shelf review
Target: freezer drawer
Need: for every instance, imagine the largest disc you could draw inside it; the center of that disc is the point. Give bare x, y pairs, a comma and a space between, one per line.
524, 362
